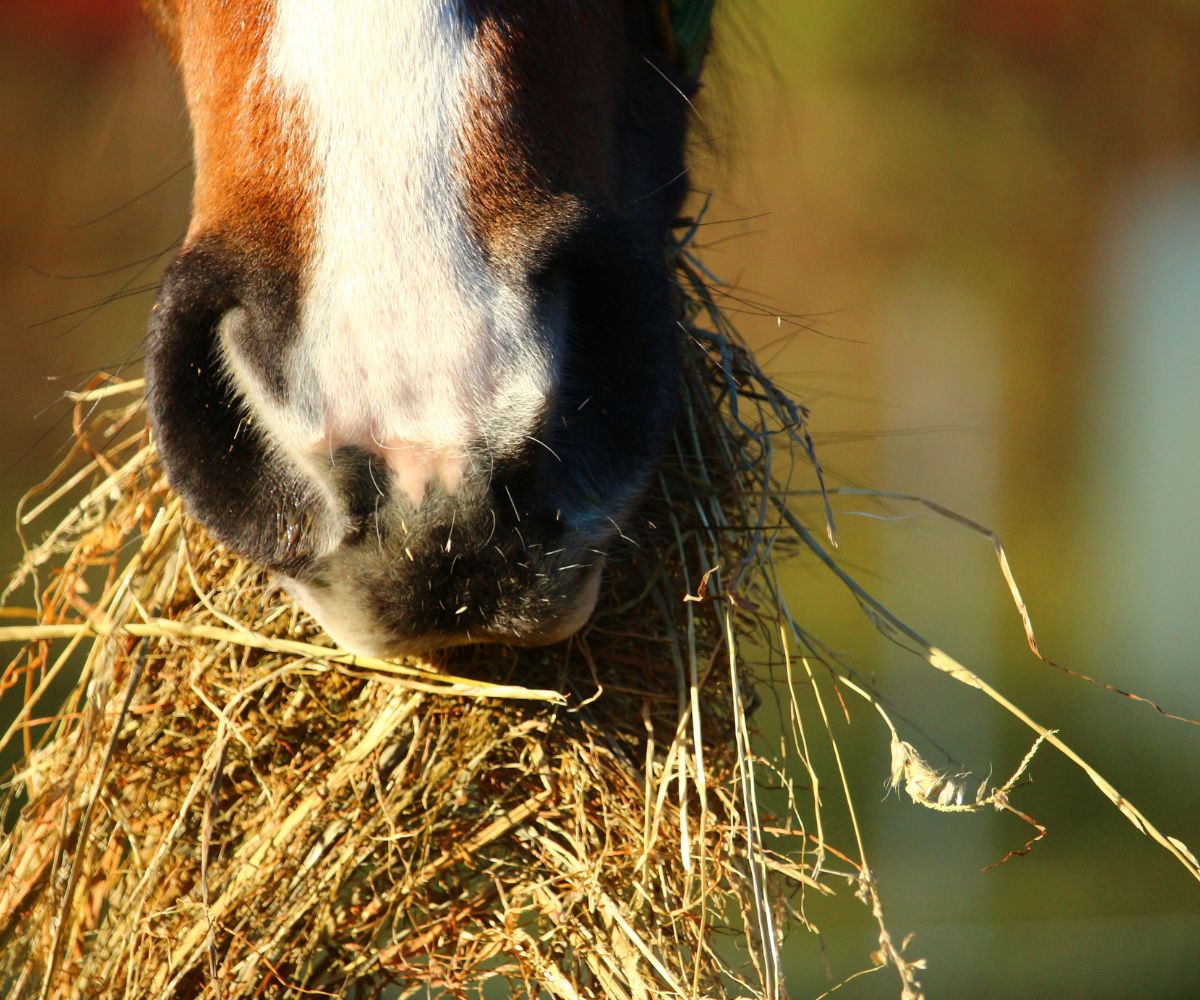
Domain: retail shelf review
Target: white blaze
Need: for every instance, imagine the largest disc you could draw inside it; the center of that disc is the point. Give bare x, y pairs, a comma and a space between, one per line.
408, 343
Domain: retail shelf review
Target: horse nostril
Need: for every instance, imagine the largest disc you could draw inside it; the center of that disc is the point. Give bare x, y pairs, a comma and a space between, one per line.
213, 450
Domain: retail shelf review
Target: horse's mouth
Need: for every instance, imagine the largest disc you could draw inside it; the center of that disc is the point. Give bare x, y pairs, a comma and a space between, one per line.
350, 617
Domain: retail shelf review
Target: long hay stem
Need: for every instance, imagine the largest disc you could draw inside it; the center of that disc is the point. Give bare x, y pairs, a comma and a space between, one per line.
947, 664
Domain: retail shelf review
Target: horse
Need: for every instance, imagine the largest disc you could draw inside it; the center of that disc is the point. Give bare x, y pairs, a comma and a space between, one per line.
417, 356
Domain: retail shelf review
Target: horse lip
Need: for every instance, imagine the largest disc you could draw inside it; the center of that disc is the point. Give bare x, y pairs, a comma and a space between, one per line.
565, 625
360, 636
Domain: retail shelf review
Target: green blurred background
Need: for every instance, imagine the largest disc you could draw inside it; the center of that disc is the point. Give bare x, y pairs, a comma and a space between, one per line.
967, 234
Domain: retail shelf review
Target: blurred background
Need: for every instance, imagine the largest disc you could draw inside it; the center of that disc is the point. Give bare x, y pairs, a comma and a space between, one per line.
965, 233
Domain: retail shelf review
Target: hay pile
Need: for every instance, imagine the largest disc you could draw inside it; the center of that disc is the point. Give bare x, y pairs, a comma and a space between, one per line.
223, 805
226, 806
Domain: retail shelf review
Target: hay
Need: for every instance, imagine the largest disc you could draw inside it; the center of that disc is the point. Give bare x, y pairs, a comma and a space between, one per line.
225, 806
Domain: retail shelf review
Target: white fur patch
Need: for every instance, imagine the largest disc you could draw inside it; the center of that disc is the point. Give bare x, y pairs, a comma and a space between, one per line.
409, 345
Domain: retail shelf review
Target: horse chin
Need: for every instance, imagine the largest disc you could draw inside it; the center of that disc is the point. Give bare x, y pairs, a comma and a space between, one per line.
350, 624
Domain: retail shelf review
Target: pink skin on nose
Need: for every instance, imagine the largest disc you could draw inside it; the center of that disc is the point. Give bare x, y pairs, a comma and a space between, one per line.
413, 465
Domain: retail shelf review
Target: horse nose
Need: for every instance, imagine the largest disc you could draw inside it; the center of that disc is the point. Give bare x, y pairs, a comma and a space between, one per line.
398, 535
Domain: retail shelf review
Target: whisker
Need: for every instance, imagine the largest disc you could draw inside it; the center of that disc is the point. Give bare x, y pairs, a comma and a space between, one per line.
544, 445
675, 87
132, 201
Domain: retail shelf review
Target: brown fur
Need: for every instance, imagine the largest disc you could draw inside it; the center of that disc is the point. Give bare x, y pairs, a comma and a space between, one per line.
254, 175
538, 140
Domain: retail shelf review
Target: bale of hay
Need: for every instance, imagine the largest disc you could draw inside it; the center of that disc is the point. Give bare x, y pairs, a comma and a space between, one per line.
224, 805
